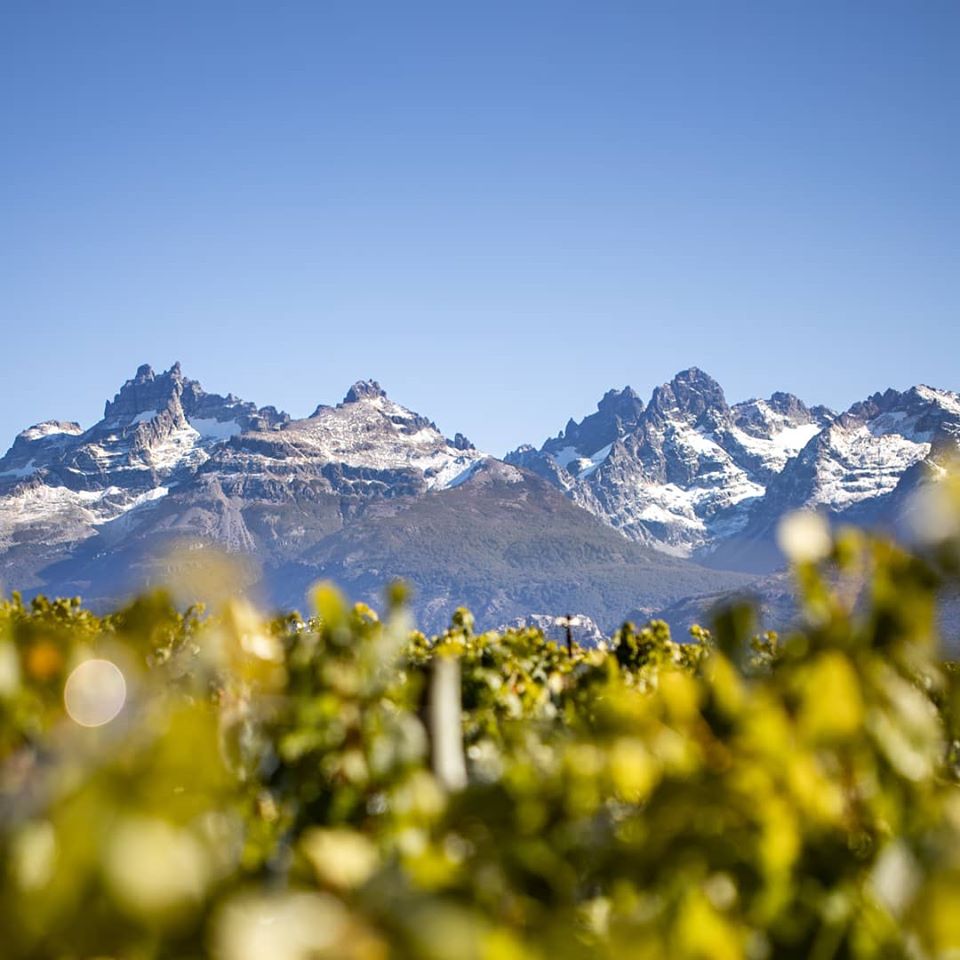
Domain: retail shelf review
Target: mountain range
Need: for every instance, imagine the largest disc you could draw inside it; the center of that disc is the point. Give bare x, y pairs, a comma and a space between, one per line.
639, 508
691, 475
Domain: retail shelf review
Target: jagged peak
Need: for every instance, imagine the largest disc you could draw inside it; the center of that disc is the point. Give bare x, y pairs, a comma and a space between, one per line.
619, 402
695, 378
782, 402
692, 391
878, 403
146, 374
618, 412
364, 390
915, 399
791, 406
148, 390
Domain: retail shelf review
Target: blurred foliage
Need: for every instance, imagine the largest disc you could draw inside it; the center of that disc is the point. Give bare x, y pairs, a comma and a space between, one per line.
276, 789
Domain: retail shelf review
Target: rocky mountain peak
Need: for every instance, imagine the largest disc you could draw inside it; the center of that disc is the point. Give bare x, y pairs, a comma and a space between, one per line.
782, 411
618, 412
787, 405
924, 395
691, 392
625, 403
364, 390
874, 405
916, 401
684, 472
184, 404
146, 391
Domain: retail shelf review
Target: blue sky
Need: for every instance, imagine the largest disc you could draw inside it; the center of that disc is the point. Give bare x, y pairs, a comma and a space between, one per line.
499, 210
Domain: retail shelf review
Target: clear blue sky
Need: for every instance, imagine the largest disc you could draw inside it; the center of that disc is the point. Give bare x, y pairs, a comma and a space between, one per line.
499, 210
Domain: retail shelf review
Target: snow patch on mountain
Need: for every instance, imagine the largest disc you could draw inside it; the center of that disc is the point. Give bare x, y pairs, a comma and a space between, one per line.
777, 448
865, 461
144, 416
215, 430
571, 460
56, 514
945, 399
50, 428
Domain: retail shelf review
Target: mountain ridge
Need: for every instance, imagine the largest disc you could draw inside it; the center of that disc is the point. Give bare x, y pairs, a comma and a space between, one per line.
685, 476
693, 475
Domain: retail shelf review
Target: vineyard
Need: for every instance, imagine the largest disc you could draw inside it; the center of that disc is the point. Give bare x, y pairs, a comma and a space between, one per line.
212, 783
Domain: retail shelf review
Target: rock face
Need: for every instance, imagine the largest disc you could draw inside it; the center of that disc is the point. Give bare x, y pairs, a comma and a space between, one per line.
693, 475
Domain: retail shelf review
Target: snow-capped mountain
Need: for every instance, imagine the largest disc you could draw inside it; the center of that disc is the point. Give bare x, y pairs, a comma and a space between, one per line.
604, 519
362, 492
690, 474
60, 483
860, 469
863, 455
681, 472
368, 444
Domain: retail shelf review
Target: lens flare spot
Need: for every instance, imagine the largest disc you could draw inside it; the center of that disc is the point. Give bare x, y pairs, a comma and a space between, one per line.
95, 693
804, 536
